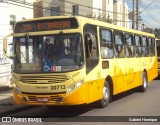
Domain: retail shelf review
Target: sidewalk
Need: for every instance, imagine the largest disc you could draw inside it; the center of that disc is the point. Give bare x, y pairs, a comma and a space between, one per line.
5, 95
7, 105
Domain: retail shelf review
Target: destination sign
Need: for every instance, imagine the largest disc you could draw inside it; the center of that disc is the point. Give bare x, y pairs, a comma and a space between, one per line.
46, 25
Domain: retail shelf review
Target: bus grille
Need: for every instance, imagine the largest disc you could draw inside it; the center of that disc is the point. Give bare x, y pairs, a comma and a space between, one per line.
53, 98
43, 79
32, 98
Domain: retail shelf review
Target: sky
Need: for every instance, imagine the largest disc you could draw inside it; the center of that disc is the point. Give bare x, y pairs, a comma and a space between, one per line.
149, 12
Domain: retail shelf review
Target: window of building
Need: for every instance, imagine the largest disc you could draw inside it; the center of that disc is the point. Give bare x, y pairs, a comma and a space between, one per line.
75, 9
55, 11
107, 50
23, 18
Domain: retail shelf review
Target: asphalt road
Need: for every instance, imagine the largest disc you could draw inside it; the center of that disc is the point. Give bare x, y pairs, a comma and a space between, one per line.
132, 103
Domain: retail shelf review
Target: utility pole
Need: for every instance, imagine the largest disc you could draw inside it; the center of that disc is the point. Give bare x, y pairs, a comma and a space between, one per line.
133, 15
137, 11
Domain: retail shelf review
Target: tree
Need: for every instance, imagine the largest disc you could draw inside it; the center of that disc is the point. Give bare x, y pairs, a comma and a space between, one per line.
157, 32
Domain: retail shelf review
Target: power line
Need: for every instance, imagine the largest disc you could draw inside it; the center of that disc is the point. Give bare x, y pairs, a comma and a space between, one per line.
147, 6
145, 22
29, 4
151, 15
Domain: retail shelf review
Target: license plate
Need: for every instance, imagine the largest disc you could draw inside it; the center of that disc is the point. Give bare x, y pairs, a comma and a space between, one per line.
42, 99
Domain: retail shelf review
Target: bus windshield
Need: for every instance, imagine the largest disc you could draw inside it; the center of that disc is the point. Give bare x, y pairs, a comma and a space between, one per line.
49, 53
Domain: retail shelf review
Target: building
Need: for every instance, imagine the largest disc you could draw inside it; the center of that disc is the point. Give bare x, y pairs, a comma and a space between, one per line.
112, 11
121, 12
62, 7
11, 11
91, 8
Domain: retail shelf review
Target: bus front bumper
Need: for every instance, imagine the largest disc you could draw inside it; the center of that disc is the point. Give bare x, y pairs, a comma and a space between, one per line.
77, 97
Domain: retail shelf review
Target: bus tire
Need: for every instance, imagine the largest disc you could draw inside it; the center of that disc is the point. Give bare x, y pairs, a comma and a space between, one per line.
143, 87
106, 96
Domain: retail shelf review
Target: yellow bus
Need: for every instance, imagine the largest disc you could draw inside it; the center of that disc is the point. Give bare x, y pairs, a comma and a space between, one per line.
158, 54
72, 60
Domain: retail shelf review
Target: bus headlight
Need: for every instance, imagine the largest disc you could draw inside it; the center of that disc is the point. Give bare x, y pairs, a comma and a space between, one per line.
74, 86
71, 88
78, 84
17, 90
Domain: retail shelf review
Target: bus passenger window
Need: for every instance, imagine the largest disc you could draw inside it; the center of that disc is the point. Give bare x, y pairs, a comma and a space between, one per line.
88, 44
107, 50
119, 45
145, 48
91, 51
91, 46
129, 45
151, 46
138, 48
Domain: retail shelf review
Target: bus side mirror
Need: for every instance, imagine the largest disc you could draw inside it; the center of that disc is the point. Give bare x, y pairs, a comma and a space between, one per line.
5, 46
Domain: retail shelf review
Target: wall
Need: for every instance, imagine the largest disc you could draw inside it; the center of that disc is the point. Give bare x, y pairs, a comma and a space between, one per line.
98, 5
125, 15
85, 7
21, 10
109, 8
121, 13
52, 3
4, 29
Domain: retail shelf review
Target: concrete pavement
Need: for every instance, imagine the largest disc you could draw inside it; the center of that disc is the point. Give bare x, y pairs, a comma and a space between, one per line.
7, 106
6, 102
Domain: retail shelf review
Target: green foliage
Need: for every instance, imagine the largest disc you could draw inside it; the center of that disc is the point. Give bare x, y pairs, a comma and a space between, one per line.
157, 32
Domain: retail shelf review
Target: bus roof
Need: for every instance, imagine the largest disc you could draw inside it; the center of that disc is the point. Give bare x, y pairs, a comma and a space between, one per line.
93, 22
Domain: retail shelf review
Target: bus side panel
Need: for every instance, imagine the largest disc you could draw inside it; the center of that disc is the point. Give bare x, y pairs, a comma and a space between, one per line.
120, 81
131, 79
92, 91
152, 71
135, 63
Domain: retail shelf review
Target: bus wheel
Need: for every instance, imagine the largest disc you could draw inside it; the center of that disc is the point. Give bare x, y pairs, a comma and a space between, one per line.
106, 96
143, 87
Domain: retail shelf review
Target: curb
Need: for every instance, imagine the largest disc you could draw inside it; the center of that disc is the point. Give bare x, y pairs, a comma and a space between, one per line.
15, 109
5, 88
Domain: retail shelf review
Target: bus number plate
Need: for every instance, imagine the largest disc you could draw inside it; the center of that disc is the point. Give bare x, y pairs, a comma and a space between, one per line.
42, 99
58, 87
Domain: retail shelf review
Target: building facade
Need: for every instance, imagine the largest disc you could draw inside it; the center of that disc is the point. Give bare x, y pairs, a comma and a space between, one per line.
11, 11
121, 11
62, 7
112, 11
91, 8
